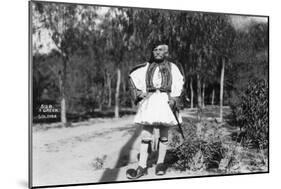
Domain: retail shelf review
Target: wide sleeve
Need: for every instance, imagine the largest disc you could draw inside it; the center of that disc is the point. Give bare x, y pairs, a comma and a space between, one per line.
177, 81
137, 78
137, 82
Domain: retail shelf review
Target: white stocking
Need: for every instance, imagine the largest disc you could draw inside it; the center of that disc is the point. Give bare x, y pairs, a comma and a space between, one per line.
143, 154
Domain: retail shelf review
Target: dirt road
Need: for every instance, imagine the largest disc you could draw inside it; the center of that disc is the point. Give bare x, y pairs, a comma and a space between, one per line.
86, 153
99, 150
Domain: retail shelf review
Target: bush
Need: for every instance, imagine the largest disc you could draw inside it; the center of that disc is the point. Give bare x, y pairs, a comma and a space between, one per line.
202, 148
251, 114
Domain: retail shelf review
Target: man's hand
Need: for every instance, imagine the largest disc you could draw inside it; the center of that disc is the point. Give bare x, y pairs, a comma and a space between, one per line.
142, 95
172, 103
139, 96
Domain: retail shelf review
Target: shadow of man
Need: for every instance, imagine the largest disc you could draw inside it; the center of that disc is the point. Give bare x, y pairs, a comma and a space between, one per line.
110, 175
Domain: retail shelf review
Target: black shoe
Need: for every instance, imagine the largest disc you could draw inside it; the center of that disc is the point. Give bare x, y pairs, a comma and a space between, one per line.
160, 169
136, 173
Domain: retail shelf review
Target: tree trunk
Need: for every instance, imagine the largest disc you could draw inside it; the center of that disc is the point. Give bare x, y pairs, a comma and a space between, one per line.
117, 93
191, 93
124, 92
199, 97
63, 111
100, 100
133, 104
109, 90
124, 85
62, 82
221, 89
203, 95
213, 96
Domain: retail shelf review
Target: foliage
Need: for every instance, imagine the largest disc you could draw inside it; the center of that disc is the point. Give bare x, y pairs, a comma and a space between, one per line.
203, 148
251, 114
239, 159
98, 162
210, 147
249, 62
90, 47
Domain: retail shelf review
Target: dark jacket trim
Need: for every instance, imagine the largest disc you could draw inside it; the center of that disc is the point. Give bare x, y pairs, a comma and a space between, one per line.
165, 69
137, 67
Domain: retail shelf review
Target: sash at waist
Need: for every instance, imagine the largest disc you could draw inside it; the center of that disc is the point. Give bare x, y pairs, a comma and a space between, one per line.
158, 89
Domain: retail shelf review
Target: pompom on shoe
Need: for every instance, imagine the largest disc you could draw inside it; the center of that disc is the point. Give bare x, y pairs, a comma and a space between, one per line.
136, 173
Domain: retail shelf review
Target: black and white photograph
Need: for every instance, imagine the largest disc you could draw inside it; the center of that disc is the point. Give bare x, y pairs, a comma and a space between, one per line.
125, 94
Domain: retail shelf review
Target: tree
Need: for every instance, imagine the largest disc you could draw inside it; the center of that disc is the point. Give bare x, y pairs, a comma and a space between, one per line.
114, 31
223, 44
191, 92
66, 24
250, 60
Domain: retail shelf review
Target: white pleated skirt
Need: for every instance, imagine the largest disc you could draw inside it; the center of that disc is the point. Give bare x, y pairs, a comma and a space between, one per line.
155, 110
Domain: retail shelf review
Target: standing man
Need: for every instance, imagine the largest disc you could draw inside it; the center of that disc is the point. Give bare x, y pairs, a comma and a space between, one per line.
156, 86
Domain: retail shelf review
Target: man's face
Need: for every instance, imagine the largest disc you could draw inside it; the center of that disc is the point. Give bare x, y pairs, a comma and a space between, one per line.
160, 52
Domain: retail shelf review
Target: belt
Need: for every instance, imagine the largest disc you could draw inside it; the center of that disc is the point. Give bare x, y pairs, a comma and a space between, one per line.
158, 89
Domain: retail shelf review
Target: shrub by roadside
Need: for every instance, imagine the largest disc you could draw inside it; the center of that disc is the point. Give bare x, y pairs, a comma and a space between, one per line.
251, 114
202, 149
209, 147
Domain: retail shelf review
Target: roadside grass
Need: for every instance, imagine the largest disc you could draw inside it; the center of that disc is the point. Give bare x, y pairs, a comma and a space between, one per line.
213, 146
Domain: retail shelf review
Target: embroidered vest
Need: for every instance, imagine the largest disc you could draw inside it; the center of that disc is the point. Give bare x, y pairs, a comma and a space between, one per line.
165, 70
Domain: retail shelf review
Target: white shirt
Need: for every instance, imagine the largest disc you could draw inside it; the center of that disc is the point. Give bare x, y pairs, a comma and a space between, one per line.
157, 78
138, 77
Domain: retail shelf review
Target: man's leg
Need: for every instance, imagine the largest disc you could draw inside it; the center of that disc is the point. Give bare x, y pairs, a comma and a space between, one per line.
146, 138
163, 142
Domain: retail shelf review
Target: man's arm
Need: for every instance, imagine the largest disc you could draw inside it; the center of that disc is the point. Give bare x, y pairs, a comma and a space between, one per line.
177, 87
137, 82
137, 94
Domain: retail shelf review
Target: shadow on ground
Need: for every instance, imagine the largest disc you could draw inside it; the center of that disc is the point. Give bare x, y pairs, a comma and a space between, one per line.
110, 175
